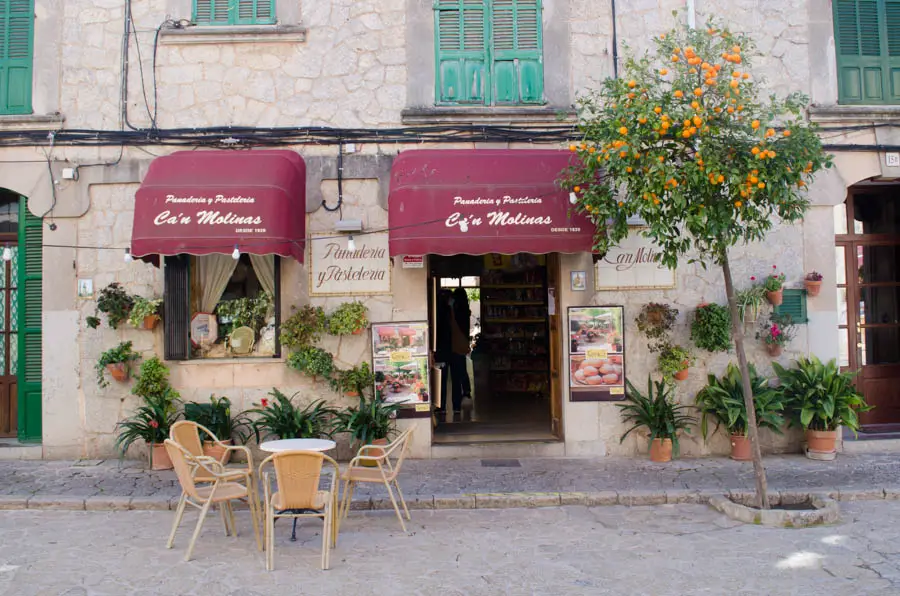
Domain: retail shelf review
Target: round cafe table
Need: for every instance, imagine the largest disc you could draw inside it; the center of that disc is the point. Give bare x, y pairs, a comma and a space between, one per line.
297, 445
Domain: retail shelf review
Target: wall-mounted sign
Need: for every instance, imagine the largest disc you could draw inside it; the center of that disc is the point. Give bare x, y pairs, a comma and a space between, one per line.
413, 262
633, 265
336, 271
596, 353
400, 362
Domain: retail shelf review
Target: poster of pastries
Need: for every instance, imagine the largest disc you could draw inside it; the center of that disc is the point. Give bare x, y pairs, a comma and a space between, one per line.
596, 353
400, 362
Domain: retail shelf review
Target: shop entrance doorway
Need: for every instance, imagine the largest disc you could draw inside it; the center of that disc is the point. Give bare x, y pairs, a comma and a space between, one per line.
502, 310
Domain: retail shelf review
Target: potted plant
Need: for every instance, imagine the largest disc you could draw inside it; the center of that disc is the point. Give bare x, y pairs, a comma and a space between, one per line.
659, 414
820, 398
813, 283
369, 423
303, 328
774, 286
674, 362
656, 321
750, 302
115, 303
776, 334
246, 312
145, 313
152, 420
216, 416
711, 328
723, 400
348, 318
281, 419
117, 362
313, 361
354, 381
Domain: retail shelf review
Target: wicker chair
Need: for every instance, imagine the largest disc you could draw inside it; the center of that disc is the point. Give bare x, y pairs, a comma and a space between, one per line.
297, 475
241, 341
226, 487
383, 466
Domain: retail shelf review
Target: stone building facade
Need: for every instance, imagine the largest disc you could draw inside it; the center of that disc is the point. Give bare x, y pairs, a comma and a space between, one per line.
363, 64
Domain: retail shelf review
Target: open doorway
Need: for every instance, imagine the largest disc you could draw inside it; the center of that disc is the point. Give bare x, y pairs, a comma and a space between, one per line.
504, 388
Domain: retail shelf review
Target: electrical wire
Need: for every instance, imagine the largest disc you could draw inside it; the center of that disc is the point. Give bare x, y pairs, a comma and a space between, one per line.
340, 184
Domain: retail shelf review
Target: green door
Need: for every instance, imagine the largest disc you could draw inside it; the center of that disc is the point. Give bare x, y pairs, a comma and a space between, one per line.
29, 323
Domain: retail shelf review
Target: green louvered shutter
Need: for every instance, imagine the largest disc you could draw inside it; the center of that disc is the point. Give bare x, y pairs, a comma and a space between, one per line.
461, 49
29, 323
892, 60
255, 12
212, 12
518, 71
867, 33
16, 56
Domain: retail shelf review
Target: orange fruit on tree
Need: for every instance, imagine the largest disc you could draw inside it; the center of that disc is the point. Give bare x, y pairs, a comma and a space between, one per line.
674, 58
695, 105
745, 76
720, 179
632, 84
761, 185
678, 93
770, 132
738, 204
755, 124
733, 84
730, 110
663, 71
698, 120
736, 75
623, 131
657, 109
577, 189
573, 148
736, 49
698, 91
786, 133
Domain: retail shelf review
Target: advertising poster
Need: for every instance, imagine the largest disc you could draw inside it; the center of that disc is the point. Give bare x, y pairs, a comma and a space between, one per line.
596, 353
400, 362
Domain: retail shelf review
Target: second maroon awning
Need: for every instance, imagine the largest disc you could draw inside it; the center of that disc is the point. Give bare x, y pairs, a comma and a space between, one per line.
204, 202
483, 201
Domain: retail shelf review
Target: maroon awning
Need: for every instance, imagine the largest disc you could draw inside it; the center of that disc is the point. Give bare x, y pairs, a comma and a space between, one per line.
509, 200
203, 202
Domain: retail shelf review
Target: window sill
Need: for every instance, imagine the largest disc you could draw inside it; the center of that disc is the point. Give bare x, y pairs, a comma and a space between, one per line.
537, 117
214, 34
211, 361
854, 113
31, 121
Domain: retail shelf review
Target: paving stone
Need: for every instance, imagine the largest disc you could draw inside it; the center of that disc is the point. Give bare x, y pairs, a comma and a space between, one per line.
632, 498
684, 496
861, 494
107, 503
154, 503
507, 500
8, 502
454, 502
62, 502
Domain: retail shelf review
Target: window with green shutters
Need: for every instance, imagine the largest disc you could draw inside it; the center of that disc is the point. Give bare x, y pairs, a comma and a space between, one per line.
233, 12
867, 33
30, 263
488, 52
16, 47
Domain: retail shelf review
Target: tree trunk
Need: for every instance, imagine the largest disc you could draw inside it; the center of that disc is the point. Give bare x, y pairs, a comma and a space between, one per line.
737, 329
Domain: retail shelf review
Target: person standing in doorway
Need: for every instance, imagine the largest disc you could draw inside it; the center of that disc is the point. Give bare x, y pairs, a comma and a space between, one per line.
444, 349
461, 346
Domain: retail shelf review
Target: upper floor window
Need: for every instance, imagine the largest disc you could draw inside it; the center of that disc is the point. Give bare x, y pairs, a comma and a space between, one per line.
234, 12
16, 46
488, 52
867, 33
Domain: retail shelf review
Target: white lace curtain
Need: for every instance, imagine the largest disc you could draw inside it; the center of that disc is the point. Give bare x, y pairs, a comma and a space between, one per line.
212, 273
264, 266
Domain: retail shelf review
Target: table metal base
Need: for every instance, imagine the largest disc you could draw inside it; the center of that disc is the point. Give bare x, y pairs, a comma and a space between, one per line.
295, 512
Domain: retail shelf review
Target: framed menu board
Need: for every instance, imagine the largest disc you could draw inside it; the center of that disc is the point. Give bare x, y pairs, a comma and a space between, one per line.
596, 353
400, 362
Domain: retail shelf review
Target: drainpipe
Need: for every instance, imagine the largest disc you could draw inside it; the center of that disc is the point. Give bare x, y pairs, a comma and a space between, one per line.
615, 41
691, 14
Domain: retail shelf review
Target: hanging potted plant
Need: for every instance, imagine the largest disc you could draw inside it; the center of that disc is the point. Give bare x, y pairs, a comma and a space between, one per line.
711, 328
117, 362
303, 328
656, 321
813, 283
774, 286
145, 313
369, 423
350, 318
659, 415
355, 381
314, 362
279, 418
723, 400
152, 420
776, 334
750, 302
115, 303
217, 417
674, 362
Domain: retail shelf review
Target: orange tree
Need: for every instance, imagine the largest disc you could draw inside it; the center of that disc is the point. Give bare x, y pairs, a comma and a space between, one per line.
685, 142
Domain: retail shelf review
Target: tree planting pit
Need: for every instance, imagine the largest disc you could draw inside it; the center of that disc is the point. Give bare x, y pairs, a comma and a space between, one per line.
787, 510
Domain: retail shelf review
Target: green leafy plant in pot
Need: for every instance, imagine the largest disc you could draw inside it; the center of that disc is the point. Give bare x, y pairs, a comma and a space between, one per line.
711, 328
776, 334
354, 381
278, 417
312, 361
774, 286
750, 301
350, 318
674, 362
663, 418
369, 423
115, 303
153, 419
217, 417
246, 312
145, 313
117, 362
303, 328
656, 321
723, 400
820, 398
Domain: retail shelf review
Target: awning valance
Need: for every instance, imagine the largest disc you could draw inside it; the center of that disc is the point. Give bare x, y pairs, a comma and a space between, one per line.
204, 202
483, 201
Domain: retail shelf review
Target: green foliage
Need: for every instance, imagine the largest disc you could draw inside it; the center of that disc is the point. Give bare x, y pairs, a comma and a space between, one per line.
723, 400
711, 328
820, 396
656, 321
122, 353
312, 361
348, 318
115, 303
774, 281
658, 413
142, 308
474, 294
216, 416
673, 359
750, 301
692, 150
246, 312
152, 420
280, 418
153, 381
371, 420
358, 379
92, 322
779, 331
303, 328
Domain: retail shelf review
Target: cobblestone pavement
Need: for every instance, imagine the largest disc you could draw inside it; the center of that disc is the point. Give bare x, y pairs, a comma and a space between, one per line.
659, 551
120, 483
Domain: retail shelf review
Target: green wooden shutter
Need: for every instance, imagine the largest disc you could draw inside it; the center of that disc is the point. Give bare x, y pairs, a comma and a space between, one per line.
518, 70
255, 12
867, 33
211, 12
793, 305
16, 46
30, 308
233, 12
461, 50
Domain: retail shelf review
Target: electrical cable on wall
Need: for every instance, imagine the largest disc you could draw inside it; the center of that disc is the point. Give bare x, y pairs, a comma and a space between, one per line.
340, 183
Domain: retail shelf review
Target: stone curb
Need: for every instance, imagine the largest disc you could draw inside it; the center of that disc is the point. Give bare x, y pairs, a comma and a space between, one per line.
510, 500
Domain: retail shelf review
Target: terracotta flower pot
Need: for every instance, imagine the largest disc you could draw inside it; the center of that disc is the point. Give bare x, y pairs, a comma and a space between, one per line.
150, 322
741, 448
351, 393
358, 332
661, 450
682, 374
775, 298
220, 454
160, 459
813, 287
118, 371
821, 441
374, 452
774, 349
